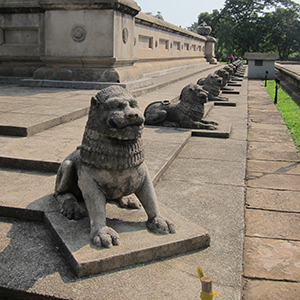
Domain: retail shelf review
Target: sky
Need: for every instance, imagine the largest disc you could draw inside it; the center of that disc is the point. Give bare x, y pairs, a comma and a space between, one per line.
181, 12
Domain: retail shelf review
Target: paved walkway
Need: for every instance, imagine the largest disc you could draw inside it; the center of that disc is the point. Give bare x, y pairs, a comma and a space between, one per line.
204, 184
272, 215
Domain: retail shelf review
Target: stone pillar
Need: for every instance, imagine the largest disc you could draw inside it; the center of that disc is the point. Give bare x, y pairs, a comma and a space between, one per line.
205, 30
89, 40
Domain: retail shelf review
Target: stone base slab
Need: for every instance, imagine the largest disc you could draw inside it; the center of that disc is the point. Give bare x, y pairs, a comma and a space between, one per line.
224, 103
233, 84
137, 244
230, 92
223, 132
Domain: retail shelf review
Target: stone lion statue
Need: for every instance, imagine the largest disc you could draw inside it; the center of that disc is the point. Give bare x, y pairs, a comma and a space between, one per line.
225, 77
229, 69
187, 113
108, 165
212, 86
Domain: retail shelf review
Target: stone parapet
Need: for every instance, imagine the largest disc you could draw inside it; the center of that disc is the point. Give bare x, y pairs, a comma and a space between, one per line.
101, 41
290, 79
126, 6
289, 75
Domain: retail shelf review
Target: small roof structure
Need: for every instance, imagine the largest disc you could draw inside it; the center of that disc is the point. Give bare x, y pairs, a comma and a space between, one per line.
261, 65
261, 56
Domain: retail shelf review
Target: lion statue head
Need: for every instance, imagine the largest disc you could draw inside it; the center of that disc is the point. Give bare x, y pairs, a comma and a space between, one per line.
191, 101
213, 84
229, 69
225, 76
114, 113
112, 133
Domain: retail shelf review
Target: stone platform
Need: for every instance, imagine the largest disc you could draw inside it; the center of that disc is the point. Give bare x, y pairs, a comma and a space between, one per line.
199, 182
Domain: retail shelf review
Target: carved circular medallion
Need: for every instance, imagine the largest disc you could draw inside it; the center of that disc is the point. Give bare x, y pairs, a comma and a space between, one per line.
78, 33
125, 35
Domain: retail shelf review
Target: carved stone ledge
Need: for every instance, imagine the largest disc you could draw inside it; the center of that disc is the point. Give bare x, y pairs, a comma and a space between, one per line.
126, 6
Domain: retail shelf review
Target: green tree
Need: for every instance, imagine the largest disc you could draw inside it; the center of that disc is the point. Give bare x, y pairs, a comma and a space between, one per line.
241, 22
255, 26
284, 37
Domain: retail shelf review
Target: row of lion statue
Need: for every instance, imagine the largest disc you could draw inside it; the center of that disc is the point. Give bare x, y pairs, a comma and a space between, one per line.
109, 164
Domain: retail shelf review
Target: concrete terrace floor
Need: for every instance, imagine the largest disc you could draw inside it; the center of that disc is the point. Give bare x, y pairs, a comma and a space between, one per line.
243, 190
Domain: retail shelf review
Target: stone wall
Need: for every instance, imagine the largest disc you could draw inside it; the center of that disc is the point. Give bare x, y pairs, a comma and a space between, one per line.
161, 45
287, 75
82, 40
290, 80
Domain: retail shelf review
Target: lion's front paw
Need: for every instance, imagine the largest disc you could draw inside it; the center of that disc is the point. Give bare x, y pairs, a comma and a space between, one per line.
211, 127
71, 209
130, 201
160, 225
105, 237
213, 123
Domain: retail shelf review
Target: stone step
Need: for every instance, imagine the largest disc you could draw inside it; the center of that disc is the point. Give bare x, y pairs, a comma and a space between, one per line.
37, 112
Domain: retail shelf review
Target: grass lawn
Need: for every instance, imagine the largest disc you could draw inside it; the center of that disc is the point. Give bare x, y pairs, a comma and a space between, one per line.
289, 110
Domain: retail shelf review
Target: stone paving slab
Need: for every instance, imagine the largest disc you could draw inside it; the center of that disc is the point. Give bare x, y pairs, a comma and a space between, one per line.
32, 185
205, 204
274, 128
276, 151
260, 117
39, 110
271, 258
272, 224
203, 171
273, 144
232, 150
270, 290
274, 181
273, 199
263, 134
34, 123
256, 106
275, 167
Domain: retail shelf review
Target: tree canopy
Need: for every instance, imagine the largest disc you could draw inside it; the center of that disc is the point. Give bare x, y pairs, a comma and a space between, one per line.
254, 26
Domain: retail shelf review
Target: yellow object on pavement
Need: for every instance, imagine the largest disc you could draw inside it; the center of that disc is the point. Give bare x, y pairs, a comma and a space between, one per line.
204, 295
208, 296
